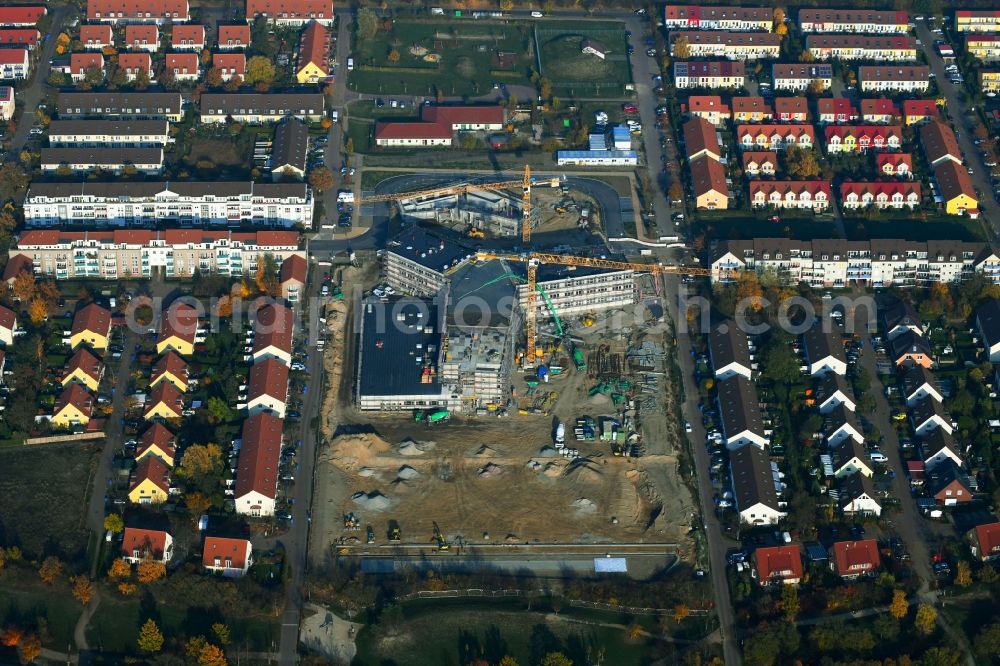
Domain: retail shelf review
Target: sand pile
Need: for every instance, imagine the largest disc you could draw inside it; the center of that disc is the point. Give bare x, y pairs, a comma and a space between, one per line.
366, 472
406, 473
411, 447
553, 469
548, 452
583, 469
358, 450
374, 501
490, 471
584, 505
484, 451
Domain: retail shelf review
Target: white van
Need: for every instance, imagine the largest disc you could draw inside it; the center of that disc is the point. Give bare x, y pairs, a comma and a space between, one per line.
437, 11
350, 64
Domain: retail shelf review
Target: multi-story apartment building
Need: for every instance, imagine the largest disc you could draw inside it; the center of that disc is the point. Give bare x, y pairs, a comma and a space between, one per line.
724, 44
810, 194
839, 263
853, 20
123, 253
14, 64
799, 76
709, 74
121, 105
775, 137
989, 80
862, 138
984, 20
109, 133
694, 17
880, 195
149, 204
261, 107
983, 47
894, 78
895, 48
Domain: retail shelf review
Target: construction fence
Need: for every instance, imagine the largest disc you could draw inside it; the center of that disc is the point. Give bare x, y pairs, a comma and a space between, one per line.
534, 594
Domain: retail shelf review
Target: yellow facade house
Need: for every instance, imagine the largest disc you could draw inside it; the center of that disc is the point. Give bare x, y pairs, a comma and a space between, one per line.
92, 327
178, 326
74, 407
165, 402
314, 53
170, 368
150, 482
85, 369
157, 441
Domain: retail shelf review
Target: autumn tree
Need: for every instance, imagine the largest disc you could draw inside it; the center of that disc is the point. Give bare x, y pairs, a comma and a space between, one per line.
29, 649
127, 589
24, 286
197, 504
899, 607
675, 191
681, 49
556, 659
50, 570
83, 591
213, 77
545, 88
13, 180
790, 602
221, 632
150, 572
748, 288
816, 86
211, 655
260, 70
508, 661
779, 15
801, 163
393, 56
321, 179
506, 5
681, 612
113, 523
201, 466
963, 575
367, 23
120, 570
11, 636
926, 619
782, 30
150, 637
267, 275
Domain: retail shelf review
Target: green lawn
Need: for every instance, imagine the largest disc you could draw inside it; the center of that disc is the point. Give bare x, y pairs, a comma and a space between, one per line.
25, 603
943, 228
360, 132
736, 225
456, 57
442, 633
43, 495
577, 74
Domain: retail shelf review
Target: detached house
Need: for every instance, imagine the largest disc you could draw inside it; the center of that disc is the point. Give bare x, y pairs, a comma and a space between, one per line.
700, 140
139, 545
739, 411
260, 456
984, 541
183, 66
881, 195
96, 37
165, 402
150, 482
936, 447
956, 190
267, 388
988, 325
230, 65
134, 64
230, 557
292, 278
778, 564
178, 329
73, 407
949, 485
775, 137
85, 369
908, 349
823, 352
729, 351
832, 390
841, 424
157, 441
314, 54
754, 491
900, 318
708, 183
91, 326
760, 162
814, 194
81, 63
273, 330
234, 37
919, 383
188, 38
849, 457
928, 414
857, 496
170, 368
854, 559
895, 164
142, 37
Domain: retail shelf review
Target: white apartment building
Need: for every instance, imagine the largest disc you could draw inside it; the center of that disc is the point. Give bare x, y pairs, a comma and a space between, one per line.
799, 76
709, 74
7, 103
840, 263
123, 253
14, 64
149, 204
895, 48
894, 78
853, 20
729, 45
695, 17
109, 133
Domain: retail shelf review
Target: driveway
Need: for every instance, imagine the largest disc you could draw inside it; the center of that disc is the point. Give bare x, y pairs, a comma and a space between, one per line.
989, 210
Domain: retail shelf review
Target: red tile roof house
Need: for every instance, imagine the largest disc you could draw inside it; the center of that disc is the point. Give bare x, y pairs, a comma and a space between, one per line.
880, 110
86, 363
16, 265
170, 368
14, 63
293, 277
388, 134
133, 63
138, 11
187, 37
791, 109
183, 66
96, 37
916, 111
708, 107
17, 16
273, 334
79, 63
862, 138
93, 324
157, 436
142, 38
775, 137
23, 37
139, 545
854, 559
230, 65
778, 564
234, 37
438, 125
985, 542
314, 49
895, 164
230, 557
880, 195
291, 12
178, 326
267, 388
815, 194
164, 401
260, 455
836, 110
156, 471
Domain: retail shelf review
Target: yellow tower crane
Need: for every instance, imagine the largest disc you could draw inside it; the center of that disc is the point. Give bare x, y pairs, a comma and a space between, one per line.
525, 185
535, 259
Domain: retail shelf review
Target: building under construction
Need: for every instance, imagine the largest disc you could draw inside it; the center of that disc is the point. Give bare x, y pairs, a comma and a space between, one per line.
491, 212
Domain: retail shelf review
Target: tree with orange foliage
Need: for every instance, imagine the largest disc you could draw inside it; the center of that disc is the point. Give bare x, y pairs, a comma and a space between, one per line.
150, 572
38, 310
24, 286
127, 589
211, 655
197, 504
50, 570
120, 570
83, 591
29, 649
11, 636
224, 306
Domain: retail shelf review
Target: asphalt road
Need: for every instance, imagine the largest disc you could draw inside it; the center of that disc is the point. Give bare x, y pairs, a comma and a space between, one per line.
29, 98
296, 539
989, 210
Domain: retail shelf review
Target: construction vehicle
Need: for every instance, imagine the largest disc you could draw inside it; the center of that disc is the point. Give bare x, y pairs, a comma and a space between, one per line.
476, 233
393, 531
442, 544
581, 364
535, 259
526, 183
351, 522
431, 416
371, 534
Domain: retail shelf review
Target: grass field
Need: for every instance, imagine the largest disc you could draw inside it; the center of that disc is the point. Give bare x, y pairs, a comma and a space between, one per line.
951, 228
43, 495
445, 634
24, 603
577, 74
455, 57
736, 226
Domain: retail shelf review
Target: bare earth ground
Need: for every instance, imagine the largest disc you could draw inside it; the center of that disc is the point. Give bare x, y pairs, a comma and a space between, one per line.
472, 475
329, 635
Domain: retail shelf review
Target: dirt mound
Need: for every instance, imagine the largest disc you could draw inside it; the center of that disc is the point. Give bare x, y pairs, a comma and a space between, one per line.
584, 505
406, 473
548, 452
584, 469
489, 471
366, 472
357, 451
374, 501
412, 447
648, 503
553, 469
484, 451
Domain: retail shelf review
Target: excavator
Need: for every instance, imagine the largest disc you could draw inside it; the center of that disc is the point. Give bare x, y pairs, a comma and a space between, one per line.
442, 544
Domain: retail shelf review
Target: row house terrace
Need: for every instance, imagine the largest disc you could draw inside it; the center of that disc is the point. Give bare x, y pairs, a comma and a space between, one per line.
132, 11
730, 45
854, 20
984, 47
899, 165
838, 263
133, 253
881, 195
862, 138
775, 137
977, 20
800, 76
805, 194
751, 109
894, 78
836, 110
694, 17
290, 12
709, 74
862, 47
